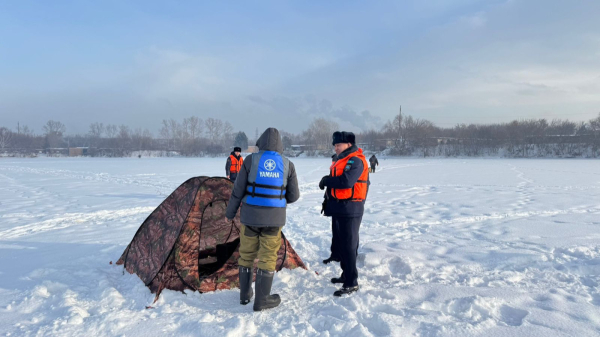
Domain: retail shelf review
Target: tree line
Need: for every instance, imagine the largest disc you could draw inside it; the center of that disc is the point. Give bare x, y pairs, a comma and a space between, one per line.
191, 136
405, 135
402, 135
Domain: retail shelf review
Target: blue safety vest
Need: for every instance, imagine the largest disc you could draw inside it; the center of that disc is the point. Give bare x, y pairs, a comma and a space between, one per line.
267, 180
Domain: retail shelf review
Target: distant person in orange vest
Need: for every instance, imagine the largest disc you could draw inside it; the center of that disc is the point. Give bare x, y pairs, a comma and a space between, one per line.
347, 186
234, 164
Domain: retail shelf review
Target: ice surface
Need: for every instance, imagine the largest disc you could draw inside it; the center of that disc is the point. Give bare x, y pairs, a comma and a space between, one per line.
448, 247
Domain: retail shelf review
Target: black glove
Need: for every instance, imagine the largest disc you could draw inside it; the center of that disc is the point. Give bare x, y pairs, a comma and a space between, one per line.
322, 182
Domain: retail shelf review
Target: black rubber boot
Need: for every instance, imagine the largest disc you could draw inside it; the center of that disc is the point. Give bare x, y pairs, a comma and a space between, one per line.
246, 292
338, 280
345, 291
264, 299
330, 259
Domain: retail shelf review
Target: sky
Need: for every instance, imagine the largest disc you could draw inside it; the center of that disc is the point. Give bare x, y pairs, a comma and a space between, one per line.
283, 63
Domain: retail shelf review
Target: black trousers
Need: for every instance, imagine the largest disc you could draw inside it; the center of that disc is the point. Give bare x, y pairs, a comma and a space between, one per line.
346, 246
233, 176
334, 242
373, 168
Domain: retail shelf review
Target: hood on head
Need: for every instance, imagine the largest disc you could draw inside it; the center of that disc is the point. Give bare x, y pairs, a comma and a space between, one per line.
270, 140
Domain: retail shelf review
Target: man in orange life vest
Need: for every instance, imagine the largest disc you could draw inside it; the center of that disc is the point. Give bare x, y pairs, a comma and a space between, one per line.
347, 186
234, 164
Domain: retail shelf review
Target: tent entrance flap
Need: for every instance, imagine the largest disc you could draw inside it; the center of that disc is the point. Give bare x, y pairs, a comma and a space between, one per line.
219, 238
210, 263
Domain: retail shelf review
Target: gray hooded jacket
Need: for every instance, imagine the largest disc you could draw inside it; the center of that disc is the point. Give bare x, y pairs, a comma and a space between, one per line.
260, 216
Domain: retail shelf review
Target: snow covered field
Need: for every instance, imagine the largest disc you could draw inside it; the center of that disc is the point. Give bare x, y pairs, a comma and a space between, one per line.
449, 247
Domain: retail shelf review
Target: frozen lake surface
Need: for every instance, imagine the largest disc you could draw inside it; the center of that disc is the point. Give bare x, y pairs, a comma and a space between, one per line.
448, 247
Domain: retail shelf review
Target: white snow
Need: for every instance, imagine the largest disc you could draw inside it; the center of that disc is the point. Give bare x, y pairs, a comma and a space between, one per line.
449, 247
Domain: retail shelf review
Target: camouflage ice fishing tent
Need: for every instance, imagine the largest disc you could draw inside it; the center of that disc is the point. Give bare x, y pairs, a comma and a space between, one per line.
187, 243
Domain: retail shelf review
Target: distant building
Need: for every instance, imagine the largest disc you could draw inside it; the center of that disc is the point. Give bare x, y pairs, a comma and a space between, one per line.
304, 147
78, 151
57, 151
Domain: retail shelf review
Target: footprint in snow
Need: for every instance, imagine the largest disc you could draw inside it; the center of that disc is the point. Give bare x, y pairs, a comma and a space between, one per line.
512, 316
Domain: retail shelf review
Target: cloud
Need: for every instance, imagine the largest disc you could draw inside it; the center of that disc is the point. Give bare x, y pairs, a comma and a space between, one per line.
527, 59
477, 20
447, 61
310, 107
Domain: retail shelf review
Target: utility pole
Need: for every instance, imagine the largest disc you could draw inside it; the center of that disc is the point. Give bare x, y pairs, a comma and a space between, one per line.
399, 136
18, 128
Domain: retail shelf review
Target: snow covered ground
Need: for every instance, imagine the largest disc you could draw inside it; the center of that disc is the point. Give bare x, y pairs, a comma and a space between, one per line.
449, 247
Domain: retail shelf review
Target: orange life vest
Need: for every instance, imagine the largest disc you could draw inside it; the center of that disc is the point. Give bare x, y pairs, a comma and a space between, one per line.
358, 192
236, 165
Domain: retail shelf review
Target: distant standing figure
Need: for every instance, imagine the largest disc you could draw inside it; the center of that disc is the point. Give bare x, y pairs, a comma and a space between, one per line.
234, 164
374, 162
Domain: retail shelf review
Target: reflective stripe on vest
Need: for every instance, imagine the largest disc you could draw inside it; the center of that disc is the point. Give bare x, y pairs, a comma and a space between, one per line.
358, 192
236, 165
267, 180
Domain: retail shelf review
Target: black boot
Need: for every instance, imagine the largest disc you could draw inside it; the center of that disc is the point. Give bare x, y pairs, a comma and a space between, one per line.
345, 291
246, 292
329, 259
263, 299
338, 280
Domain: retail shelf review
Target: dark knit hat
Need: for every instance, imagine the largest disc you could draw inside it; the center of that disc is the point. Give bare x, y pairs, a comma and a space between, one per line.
237, 149
343, 137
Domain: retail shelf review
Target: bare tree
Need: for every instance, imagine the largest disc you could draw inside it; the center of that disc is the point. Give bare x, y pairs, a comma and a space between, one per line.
124, 132
111, 130
5, 138
141, 139
214, 128
395, 129
96, 130
95, 133
227, 133
176, 130
561, 127
319, 133
26, 131
370, 137
54, 128
124, 138
165, 131
595, 124
194, 126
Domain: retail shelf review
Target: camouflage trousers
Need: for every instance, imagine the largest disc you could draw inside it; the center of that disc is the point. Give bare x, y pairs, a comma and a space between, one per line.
261, 242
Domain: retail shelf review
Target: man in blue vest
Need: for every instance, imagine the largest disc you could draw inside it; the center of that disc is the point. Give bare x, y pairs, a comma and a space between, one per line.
265, 185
